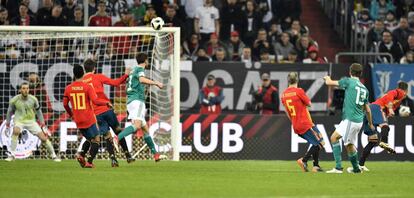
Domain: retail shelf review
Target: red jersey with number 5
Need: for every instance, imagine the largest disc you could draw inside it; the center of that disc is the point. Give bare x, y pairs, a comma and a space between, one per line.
80, 95
296, 103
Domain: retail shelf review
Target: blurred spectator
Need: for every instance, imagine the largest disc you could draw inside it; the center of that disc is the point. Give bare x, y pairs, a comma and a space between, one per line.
42, 50
268, 8
12, 6
210, 97
183, 55
4, 17
61, 51
219, 55
206, 21
69, 9
246, 56
213, 44
302, 46
274, 32
190, 7
126, 19
285, 23
100, 18
379, 8
265, 57
78, 17
56, 19
23, 18
150, 13
261, 43
402, 32
251, 24
410, 43
38, 89
138, 9
171, 19
230, 19
313, 56
408, 58
390, 22
284, 46
290, 8
44, 13
403, 7
235, 46
202, 55
375, 33
292, 57
296, 31
191, 46
364, 21
389, 46
159, 6
267, 97
92, 8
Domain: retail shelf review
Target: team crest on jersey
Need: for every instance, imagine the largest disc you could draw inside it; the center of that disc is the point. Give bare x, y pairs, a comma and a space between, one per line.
26, 144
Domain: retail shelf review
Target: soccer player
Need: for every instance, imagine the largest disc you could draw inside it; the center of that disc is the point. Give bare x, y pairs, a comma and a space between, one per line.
25, 108
136, 102
381, 109
81, 95
296, 102
106, 116
356, 100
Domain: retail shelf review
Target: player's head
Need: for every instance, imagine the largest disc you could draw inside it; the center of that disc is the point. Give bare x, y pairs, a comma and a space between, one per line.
89, 65
78, 71
265, 79
293, 78
24, 89
211, 80
404, 87
355, 70
142, 59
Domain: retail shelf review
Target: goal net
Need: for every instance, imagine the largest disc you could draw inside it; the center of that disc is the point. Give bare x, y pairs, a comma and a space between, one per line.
44, 57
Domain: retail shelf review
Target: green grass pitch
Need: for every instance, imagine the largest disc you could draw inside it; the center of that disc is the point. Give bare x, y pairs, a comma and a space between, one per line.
238, 179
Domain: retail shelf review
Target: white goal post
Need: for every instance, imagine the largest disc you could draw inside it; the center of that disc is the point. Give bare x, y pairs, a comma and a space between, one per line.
43, 56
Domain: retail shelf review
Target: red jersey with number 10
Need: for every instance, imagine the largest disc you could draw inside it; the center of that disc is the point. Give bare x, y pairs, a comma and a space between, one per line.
97, 82
296, 103
80, 95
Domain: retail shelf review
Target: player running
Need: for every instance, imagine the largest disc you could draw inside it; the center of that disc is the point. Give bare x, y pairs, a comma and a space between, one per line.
296, 102
356, 100
81, 95
106, 116
25, 108
136, 103
381, 109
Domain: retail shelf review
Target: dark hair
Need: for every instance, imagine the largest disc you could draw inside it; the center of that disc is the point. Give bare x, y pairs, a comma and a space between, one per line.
22, 84
141, 58
78, 71
293, 78
89, 65
386, 31
403, 85
356, 69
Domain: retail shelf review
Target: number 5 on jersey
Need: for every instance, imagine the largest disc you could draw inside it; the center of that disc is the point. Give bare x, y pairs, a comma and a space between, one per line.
291, 108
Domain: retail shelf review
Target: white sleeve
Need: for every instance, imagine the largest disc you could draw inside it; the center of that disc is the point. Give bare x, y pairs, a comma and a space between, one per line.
197, 13
216, 13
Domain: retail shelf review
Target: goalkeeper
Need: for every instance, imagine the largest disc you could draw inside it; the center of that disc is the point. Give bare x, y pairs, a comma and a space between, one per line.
136, 103
25, 108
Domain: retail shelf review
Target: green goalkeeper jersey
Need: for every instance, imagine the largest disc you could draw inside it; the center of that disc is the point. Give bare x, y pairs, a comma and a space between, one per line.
356, 96
24, 109
135, 89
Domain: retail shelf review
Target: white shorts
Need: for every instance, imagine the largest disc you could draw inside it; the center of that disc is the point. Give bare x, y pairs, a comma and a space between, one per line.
136, 110
33, 127
349, 131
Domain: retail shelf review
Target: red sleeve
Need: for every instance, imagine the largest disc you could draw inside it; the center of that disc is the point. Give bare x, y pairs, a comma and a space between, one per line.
92, 96
66, 103
113, 82
305, 99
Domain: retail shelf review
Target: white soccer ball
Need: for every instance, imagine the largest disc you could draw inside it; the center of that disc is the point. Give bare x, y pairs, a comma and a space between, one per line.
157, 23
404, 111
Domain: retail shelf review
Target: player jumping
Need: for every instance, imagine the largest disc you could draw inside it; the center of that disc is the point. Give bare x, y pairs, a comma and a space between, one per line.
296, 102
81, 95
356, 100
136, 103
381, 109
106, 116
25, 108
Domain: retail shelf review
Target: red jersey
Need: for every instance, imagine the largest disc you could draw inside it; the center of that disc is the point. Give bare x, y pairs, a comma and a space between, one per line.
97, 20
296, 103
97, 82
394, 96
80, 95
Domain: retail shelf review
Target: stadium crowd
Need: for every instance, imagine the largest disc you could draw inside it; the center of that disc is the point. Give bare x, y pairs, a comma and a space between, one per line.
269, 31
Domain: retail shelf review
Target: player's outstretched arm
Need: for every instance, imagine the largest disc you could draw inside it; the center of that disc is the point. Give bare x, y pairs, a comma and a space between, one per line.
369, 116
113, 82
330, 82
147, 81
